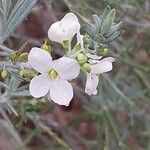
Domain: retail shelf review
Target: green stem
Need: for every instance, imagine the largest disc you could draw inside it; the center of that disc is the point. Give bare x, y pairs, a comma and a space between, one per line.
115, 130
75, 54
131, 63
143, 78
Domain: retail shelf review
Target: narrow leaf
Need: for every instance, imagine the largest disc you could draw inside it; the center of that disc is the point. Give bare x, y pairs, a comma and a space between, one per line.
18, 17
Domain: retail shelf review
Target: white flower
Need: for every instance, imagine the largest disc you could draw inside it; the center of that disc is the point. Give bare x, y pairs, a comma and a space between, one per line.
54, 76
102, 66
64, 29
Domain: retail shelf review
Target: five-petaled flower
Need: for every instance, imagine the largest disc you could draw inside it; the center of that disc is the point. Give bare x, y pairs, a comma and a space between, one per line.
54, 76
100, 67
64, 29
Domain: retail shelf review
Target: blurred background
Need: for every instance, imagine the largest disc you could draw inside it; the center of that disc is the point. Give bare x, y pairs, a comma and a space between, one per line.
118, 118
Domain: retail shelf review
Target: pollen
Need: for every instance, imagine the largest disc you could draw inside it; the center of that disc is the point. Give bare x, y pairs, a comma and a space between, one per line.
53, 74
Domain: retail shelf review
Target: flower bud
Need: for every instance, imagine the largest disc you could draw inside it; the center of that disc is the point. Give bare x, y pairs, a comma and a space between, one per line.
13, 57
4, 74
27, 73
81, 58
46, 47
87, 67
23, 57
103, 52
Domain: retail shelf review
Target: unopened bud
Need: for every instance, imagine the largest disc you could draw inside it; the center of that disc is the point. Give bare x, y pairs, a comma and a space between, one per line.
81, 58
4, 74
27, 73
87, 67
23, 57
13, 57
103, 52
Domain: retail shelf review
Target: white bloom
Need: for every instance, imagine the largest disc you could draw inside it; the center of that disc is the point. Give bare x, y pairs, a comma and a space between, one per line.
54, 76
64, 29
102, 66
91, 84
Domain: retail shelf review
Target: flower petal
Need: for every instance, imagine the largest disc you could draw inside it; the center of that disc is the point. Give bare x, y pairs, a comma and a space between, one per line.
67, 68
55, 33
65, 29
70, 25
92, 56
40, 60
104, 65
108, 59
40, 85
61, 92
91, 84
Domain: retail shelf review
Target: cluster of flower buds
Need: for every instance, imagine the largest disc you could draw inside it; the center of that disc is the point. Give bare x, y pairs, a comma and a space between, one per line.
18, 57
4, 74
54, 76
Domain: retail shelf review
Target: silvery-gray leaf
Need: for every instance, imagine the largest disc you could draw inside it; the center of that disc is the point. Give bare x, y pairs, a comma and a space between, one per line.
1, 4
108, 22
106, 26
9, 138
100, 39
19, 12
97, 22
113, 29
105, 13
6, 4
114, 36
88, 30
94, 29
1, 22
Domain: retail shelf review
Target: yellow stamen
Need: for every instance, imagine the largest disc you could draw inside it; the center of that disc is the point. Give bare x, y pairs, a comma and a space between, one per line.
53, 74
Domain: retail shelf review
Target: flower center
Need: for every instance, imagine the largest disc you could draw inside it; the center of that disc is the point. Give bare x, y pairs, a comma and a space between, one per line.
53, 74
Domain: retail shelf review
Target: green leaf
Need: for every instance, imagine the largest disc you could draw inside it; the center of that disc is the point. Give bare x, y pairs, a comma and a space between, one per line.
97, 22
105, 13
1, 4
100, 39
114, 36
6, 49
6, 4
1, 23
19, 12
114, 29
106, 26
108, 22
88, 29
